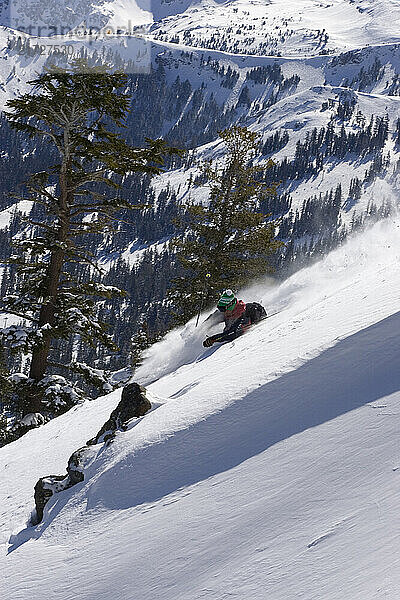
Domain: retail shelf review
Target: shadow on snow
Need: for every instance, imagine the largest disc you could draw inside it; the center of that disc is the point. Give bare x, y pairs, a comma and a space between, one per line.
356, 371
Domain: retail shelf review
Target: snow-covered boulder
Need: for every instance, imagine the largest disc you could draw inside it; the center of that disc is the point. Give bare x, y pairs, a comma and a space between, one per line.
31, 420
25, 424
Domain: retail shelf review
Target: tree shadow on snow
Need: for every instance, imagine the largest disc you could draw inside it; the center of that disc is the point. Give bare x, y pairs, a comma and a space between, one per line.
356, 371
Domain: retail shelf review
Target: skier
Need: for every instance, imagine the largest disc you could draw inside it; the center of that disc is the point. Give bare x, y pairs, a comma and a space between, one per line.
236, 315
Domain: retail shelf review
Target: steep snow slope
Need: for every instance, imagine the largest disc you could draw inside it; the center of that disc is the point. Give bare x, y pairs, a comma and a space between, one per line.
271, 470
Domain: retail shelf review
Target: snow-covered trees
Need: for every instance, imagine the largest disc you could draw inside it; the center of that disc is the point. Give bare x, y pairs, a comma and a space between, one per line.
230, 239
139, 343
80, 113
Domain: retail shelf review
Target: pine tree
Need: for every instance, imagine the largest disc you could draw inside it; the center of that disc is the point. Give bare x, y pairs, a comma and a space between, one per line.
355, 191
81, 114
139, 343
5, 386
397, 132
5, 398
229, 240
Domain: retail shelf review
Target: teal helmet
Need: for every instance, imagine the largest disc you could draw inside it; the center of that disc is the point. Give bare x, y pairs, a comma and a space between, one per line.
227, 301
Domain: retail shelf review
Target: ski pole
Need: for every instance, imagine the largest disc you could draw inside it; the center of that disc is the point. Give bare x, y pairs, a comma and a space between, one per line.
273, 314
202, 298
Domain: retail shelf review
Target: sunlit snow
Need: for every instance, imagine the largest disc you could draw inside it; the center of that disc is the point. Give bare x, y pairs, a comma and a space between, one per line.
268, 468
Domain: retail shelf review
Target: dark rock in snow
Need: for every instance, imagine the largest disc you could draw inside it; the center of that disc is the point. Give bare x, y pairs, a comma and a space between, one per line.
75, 475
133, 404
52, 484
44, 489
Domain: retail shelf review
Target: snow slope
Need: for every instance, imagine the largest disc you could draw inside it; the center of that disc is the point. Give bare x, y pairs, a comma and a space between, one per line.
278, 27
295, 28
269, 470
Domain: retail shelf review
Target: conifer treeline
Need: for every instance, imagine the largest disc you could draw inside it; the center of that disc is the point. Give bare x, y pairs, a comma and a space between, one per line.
156, 103
326, 142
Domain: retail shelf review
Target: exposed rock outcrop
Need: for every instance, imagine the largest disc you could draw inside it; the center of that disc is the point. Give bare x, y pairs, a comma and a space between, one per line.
44, 489
52, 484
133, 404
74, 468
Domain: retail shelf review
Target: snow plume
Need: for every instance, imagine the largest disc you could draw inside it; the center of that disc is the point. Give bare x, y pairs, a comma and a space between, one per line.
308, 287
184, 345
179, 347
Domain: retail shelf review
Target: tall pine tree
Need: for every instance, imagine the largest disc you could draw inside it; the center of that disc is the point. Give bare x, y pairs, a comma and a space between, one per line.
229, 241
81, 114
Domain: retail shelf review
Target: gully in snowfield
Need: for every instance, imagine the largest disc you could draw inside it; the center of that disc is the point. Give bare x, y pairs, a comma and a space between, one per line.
237, 317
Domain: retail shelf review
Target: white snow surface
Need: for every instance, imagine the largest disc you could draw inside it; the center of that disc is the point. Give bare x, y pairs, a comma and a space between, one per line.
287, 28
6, 215
292, 26
269, 468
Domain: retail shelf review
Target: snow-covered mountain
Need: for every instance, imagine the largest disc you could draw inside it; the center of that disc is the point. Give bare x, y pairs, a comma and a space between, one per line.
51, 17
318, 80
298, 27
291, 82
279, 27
268, 468
271, 95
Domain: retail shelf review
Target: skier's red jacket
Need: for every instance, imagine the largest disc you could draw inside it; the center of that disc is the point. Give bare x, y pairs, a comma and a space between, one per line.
231, 316
236, 321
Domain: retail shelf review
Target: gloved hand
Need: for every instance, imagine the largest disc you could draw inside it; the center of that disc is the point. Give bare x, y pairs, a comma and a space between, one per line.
208, 342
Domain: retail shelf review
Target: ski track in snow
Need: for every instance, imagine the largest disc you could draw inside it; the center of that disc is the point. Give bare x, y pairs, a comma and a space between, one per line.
267, 469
